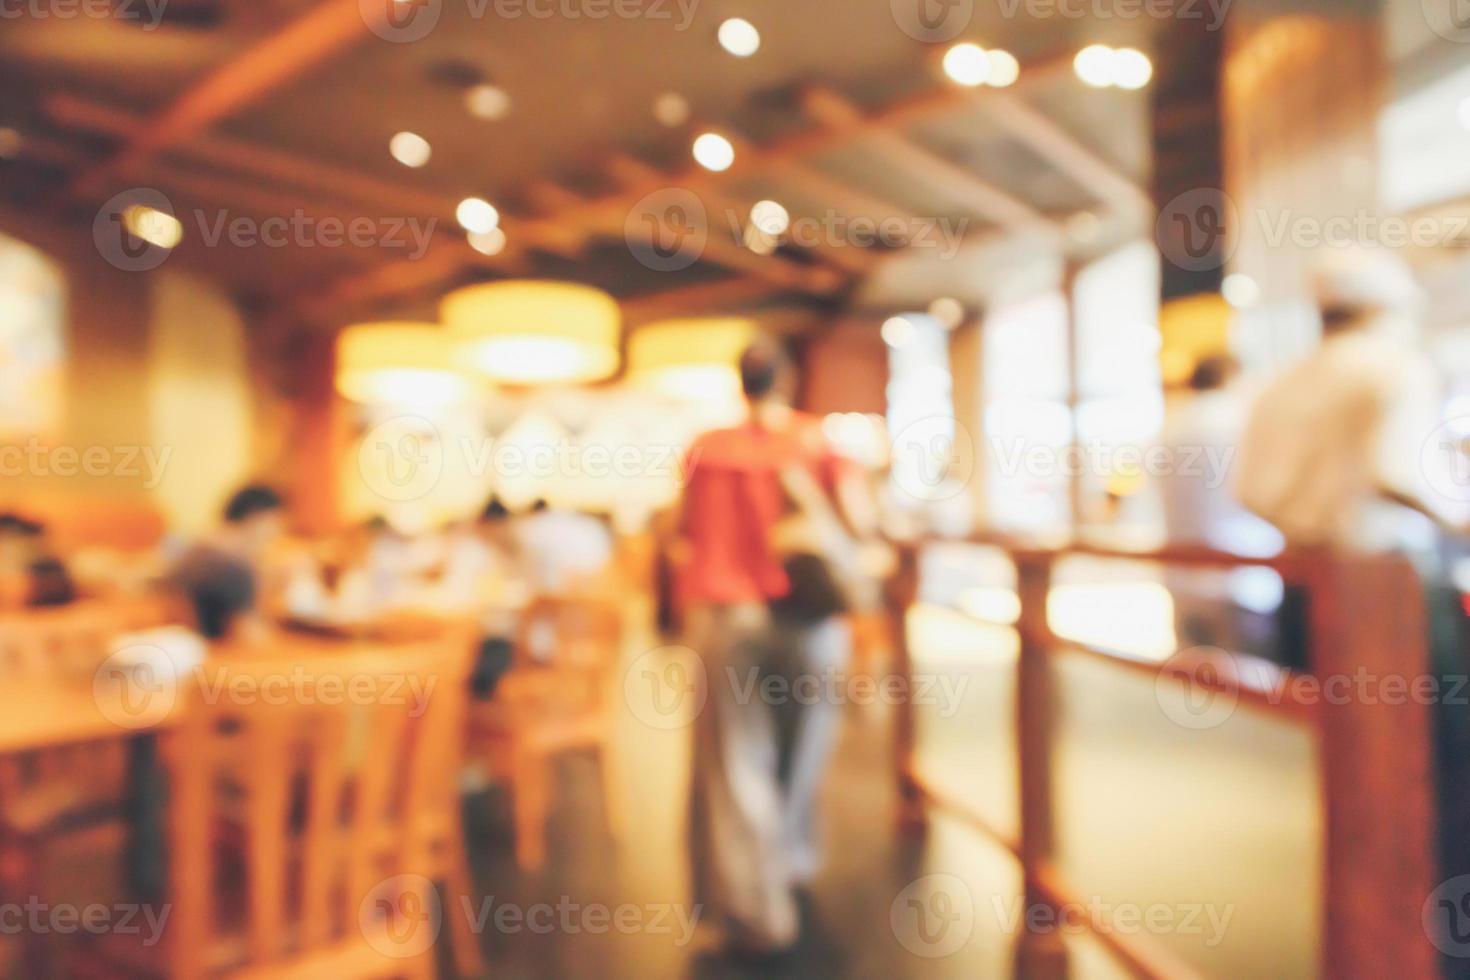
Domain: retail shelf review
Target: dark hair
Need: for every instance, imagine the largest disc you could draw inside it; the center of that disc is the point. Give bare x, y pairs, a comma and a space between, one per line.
252, 500
494, 510
1212, 372
16, 524
761, 366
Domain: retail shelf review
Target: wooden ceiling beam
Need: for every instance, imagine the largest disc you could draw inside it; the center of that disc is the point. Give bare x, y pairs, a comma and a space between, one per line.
720, 247
1065, 152
723, 295
263, 67
834, 111
639, 182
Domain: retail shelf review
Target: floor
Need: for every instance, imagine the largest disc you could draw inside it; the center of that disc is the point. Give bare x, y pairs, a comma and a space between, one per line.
849, 930
1148, 813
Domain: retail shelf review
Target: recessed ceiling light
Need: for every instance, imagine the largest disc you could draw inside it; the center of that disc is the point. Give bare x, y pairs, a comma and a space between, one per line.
739, 37
1004, 69
1084, 227
1131, 68
898, 331
758, 241
409, 149
490, 242
1240, 291
949, 311
671, 109
475, 214
770, 217
487, 101
1096, 65
967, 64
713, 152
158, 228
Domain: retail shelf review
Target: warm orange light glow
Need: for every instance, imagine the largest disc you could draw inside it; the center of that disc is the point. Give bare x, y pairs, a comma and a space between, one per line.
397, 363
692, 360
525, 332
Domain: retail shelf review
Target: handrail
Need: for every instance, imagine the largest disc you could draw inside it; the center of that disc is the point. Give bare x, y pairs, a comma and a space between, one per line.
1378, 809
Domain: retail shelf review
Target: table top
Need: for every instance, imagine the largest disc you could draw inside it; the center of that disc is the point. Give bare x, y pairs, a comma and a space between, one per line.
44, 711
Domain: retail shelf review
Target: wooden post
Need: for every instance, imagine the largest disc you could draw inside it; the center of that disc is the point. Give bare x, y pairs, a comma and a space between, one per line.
1370, 641
901, 592
1040, 955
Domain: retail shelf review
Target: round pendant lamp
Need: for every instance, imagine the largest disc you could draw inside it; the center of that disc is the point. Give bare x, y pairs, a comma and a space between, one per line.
692, 360
524, 332
398, 363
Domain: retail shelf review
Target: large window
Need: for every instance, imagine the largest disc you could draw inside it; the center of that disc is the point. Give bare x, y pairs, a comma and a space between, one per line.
32, 343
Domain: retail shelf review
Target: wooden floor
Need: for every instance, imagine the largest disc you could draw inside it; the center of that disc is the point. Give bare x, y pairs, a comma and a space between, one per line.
847, 929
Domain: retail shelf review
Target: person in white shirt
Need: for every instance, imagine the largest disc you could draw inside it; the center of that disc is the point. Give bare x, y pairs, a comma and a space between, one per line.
562, 548
1334, 450
1343, 451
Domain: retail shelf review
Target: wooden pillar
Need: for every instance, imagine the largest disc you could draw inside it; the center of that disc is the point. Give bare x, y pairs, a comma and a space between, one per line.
1076, 480
1301, 95
1368, 622
319, 434
1040, 955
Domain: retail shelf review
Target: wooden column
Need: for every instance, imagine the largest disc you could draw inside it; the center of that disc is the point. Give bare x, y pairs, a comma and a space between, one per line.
1301, 97
1040, 955
1377, 770
319, 434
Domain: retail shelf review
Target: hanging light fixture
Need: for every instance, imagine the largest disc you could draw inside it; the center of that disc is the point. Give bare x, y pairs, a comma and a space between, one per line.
524, 332
397, 363
692, 360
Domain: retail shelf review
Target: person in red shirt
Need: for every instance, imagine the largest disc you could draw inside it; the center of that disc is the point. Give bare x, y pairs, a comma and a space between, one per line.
761, 601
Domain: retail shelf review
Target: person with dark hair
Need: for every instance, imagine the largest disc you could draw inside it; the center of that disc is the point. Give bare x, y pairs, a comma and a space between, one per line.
31, 572
222, 577
758, 527
1202, 426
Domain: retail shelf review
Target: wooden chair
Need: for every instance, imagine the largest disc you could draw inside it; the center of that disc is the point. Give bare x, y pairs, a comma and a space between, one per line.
543, 709
317, 859
66, 793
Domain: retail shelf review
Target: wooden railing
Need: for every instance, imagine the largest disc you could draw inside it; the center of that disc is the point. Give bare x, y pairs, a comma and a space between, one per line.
1366, 617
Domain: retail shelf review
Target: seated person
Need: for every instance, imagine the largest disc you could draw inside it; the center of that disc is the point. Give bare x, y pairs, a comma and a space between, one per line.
30, 572
222, 576
563, 548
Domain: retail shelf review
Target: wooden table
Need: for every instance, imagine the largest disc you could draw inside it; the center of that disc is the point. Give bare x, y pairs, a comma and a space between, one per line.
37, 714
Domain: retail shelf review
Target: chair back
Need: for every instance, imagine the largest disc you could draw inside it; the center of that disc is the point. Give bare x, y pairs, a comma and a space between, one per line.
575, 642
339, 788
